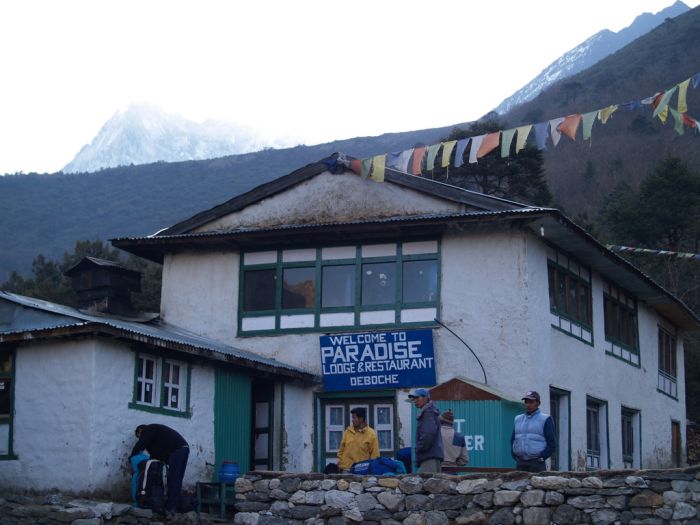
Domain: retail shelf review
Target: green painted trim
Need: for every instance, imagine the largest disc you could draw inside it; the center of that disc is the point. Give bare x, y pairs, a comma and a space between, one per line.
619, 358
282, 427
565, 393
161, 358
588, 284
318, 264
158, 410
355, 394
12, 352
666, 394
591, 343
347, 398
641, 466
634, 349
334, 329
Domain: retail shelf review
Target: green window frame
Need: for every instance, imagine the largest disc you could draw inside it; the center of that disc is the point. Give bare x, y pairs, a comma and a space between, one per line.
357, 285
668, 365
7, 396
570, 296
161, 385
621, 324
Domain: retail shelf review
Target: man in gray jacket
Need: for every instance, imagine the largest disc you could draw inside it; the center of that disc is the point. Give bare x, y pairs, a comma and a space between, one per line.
533, 439
429, 451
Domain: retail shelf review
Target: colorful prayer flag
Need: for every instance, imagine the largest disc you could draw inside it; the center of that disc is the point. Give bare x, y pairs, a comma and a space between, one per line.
432, 153
554, 131
476, 144
490, 143
570, 125
588, 120
459, 154
447, 148
682, 96
523, 132
418, 154
605, 113
506, 142
541, 135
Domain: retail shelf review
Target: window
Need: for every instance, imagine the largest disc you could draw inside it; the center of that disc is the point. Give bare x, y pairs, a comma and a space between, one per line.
596, 434
339, 287
621, 334
676, 444
570, 296
667, 382
630, 438
384, 426
161, 385
336, 418
559, 401
7, 359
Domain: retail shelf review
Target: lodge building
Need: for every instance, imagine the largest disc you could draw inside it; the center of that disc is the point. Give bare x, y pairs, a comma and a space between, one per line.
285, 307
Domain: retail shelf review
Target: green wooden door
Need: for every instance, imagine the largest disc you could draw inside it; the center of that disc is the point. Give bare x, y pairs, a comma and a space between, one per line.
232, 419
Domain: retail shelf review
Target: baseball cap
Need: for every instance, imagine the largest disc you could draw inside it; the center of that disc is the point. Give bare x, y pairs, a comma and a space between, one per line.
531, 394
419, 392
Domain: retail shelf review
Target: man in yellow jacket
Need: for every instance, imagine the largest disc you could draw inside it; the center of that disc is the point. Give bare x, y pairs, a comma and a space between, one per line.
359, 442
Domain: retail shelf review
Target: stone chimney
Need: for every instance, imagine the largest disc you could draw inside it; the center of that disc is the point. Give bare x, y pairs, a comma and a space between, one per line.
104, 287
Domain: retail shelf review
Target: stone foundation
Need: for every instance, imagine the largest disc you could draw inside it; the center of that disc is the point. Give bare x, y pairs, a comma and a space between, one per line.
604, 497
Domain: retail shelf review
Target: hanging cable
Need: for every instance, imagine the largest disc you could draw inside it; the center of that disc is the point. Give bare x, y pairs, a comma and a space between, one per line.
468, 347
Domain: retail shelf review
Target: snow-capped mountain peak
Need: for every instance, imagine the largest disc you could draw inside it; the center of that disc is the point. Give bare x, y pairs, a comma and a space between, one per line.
588, 53
143, 133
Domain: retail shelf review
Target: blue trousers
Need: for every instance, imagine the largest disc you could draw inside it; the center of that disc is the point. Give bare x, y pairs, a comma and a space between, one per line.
177, 462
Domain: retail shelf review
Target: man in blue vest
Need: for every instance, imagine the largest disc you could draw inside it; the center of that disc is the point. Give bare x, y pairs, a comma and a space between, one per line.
533, 439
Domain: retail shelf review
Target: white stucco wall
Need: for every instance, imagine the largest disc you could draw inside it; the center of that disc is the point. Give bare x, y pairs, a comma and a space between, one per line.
494, 295
298, 439
200, 293
329, 197
73, 430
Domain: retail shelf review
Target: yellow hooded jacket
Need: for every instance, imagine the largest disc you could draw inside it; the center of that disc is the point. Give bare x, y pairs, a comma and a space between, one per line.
357, 445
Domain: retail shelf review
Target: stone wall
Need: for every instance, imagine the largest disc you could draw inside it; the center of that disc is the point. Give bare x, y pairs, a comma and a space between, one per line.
606, 497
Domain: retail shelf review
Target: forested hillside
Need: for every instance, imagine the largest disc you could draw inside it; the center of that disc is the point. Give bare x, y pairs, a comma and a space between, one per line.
47, 214
629, 146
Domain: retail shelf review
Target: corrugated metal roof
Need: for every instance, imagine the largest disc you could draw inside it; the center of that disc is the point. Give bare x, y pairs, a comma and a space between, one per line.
154, 332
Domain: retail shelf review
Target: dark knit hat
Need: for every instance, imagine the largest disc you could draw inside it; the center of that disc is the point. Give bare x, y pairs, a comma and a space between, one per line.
447, 417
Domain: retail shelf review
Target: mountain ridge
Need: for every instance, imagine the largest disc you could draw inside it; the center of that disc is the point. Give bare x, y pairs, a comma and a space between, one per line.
588, 53
143, 133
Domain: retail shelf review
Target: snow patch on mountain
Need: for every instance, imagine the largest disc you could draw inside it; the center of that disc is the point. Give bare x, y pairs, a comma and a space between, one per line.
143, 134
588, 53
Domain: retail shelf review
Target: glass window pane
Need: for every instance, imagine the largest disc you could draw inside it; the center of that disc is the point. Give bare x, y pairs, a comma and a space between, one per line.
384, 437
176, 374
378, 283
336, 416
383, 416
5, 402
5, 362
572, 307
259, 290
298, 287
166, 373
334, 438
338, 286
419, 281
561, 289
148, 393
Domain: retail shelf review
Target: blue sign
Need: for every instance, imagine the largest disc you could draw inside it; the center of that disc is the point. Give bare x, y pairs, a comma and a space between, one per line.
373, 360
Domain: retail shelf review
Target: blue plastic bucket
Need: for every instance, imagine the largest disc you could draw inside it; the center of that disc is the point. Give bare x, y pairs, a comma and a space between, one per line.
229, 472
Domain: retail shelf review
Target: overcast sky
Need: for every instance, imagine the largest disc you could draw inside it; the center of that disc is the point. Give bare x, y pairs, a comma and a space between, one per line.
316, 70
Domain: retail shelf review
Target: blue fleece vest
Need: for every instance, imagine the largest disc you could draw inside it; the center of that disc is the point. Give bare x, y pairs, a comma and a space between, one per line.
529, 442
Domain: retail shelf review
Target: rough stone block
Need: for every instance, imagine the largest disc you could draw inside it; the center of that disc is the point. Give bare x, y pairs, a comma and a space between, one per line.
537, 516
532, 498
472, 486
504, 498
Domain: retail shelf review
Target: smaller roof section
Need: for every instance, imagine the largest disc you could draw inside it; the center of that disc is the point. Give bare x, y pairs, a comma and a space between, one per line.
462, 389
88, 262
